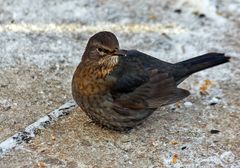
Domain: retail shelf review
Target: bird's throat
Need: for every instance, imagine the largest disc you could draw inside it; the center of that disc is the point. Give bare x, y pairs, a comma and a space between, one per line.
92, 77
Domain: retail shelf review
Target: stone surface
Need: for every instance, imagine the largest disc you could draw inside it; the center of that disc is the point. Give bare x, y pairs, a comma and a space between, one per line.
41, 44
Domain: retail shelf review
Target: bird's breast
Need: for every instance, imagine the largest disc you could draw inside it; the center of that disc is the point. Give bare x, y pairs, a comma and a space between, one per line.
91, 79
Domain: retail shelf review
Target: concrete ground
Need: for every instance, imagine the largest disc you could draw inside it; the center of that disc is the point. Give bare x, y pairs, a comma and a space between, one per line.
41, 44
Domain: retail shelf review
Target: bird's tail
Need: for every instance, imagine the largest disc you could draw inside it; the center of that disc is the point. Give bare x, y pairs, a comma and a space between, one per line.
200, 63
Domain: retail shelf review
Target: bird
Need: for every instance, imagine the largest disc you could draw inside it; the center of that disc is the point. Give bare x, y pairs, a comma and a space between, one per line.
119, 89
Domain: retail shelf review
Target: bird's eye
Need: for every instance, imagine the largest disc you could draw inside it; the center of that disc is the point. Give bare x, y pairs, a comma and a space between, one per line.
100, 50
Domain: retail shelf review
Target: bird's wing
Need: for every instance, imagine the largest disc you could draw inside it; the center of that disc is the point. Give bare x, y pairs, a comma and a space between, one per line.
147, 91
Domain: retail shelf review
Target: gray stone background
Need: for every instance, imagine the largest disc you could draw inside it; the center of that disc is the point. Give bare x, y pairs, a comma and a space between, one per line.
41, 43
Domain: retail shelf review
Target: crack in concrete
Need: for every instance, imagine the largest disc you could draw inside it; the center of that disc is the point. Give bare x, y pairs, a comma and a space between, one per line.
31, 131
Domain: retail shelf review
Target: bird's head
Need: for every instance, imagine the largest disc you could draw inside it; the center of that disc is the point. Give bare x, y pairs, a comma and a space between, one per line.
102, 45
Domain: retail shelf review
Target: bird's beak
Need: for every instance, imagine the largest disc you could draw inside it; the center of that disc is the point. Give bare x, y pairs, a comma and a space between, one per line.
120, 52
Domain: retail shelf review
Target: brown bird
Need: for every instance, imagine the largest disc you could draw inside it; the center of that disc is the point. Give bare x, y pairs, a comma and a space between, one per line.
120, 88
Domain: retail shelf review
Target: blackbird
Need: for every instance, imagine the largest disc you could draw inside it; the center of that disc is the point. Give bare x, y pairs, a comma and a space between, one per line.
119, 89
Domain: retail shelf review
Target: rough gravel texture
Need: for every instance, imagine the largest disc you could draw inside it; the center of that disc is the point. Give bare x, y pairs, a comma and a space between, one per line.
41, 43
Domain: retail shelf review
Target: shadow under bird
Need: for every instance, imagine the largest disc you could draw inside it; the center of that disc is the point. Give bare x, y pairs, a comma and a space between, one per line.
119, 89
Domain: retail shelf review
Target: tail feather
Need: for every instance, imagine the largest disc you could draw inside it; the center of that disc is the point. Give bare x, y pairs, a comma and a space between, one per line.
200, 63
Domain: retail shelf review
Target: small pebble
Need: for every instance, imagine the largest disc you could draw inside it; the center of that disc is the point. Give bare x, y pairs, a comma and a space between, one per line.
201, 15
188, 104
173, 142
184, 147
5, 105
227, 157
214, 131
178, 11
214, 101
41, 165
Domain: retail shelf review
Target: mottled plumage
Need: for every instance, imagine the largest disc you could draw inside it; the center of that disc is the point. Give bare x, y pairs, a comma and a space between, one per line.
119, 88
